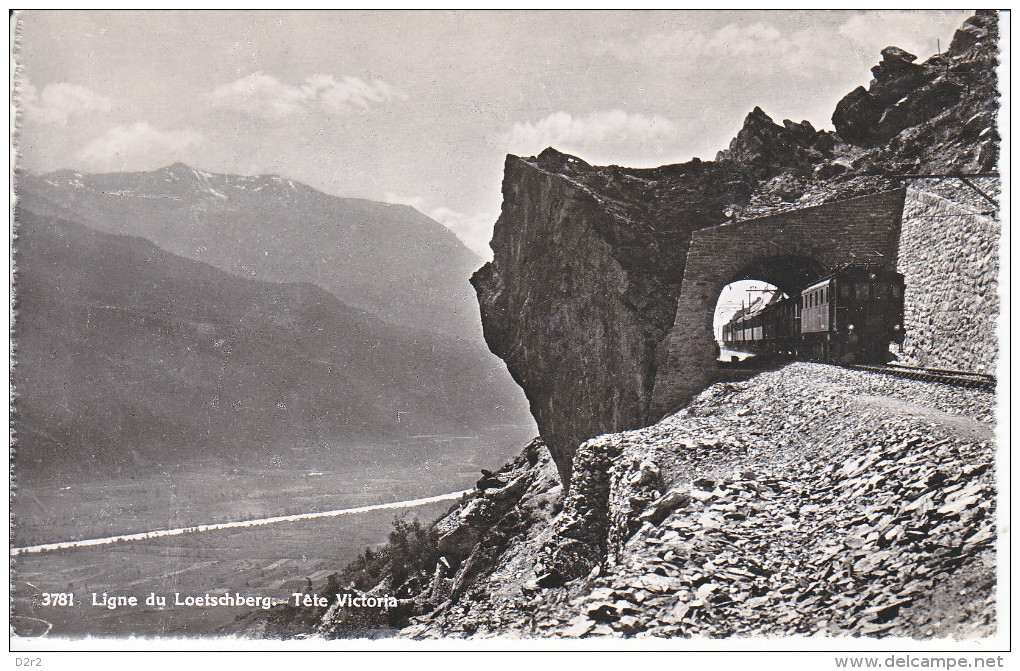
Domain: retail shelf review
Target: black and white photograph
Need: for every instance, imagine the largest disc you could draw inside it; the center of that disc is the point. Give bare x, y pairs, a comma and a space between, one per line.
511, 329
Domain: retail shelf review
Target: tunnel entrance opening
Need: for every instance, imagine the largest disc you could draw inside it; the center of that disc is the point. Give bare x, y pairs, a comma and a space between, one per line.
736, 301
748, 307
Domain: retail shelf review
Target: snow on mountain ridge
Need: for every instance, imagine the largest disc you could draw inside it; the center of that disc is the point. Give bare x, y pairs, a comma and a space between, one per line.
213, 184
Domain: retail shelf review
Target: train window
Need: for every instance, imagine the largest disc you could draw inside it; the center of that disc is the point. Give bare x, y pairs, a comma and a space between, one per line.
844, 291
879, 292
896, 291
862, 290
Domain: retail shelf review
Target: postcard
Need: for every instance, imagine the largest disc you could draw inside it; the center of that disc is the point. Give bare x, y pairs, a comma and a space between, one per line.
511, 330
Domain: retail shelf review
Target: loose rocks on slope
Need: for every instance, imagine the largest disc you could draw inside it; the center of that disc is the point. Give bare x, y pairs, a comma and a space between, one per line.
806, 501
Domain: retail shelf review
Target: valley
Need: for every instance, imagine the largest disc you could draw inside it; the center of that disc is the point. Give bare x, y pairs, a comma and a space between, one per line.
271, 561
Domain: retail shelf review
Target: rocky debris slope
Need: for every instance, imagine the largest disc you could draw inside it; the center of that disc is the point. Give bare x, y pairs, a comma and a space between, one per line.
809, 500
481, 538
868, 547
588, 260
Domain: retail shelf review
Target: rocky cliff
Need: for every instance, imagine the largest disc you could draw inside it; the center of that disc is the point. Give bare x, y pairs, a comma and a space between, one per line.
588, 266
588, 260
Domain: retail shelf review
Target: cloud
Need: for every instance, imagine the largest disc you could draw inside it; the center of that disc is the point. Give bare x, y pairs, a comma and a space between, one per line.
474, 231
763, 48
731, 41
735, 48
598, 131
265, 96
57, 103
870, 32
138, 146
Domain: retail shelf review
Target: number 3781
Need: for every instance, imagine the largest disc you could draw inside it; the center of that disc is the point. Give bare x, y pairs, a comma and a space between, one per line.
58, 599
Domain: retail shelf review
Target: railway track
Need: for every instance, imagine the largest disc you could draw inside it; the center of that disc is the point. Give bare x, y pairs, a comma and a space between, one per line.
956, 378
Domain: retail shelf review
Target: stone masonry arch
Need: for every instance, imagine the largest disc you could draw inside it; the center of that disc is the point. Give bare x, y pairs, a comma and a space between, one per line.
790, 272
788, 250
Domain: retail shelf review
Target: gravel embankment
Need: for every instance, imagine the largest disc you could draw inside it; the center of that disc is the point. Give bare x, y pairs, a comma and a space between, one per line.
811, 500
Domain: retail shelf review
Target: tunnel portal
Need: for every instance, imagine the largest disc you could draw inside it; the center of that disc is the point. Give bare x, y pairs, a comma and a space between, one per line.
789, 250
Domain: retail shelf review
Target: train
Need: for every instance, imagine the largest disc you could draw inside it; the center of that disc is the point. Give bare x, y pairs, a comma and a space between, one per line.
849, 316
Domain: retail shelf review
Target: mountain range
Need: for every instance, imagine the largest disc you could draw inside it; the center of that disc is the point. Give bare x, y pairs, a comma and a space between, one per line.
390, 260
130, 354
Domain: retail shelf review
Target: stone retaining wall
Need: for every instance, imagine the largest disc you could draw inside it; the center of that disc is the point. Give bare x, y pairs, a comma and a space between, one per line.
949, 256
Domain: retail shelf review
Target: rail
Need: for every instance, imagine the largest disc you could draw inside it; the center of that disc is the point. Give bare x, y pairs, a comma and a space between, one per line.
956, 378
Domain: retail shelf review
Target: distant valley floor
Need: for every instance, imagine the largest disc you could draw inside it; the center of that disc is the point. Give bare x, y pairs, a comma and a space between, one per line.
271, 561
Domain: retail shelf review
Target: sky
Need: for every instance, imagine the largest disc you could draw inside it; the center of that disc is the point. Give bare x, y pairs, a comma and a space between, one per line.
421, 108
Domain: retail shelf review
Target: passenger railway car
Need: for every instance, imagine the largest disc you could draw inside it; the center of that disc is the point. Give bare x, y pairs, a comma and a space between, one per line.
850, 316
